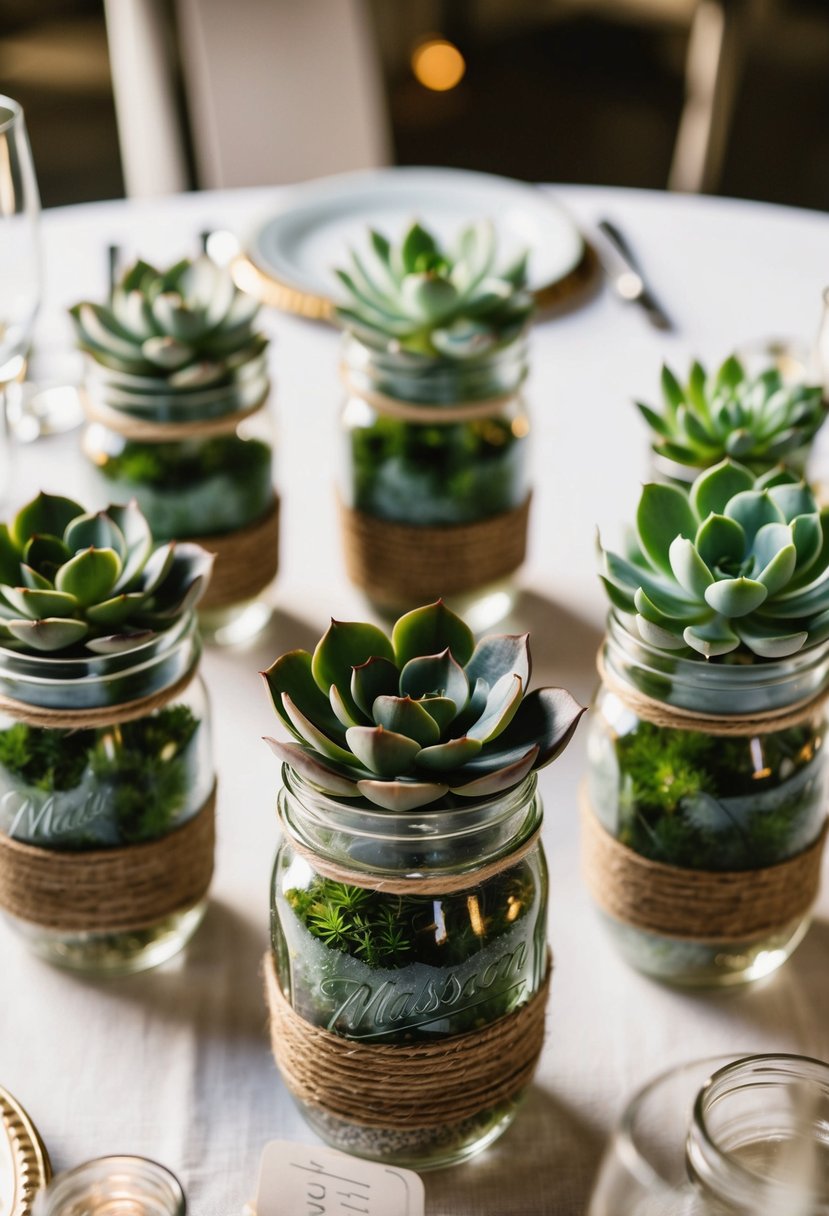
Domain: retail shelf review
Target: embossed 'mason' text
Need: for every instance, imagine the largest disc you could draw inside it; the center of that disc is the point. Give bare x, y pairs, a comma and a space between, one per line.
52, 816
364, 1011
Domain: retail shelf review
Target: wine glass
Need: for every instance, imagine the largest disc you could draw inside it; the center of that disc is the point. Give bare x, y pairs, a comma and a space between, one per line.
20, 264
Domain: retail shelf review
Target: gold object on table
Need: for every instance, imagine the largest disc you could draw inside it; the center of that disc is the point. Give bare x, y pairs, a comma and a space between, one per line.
274, 293
24, 1162
568, 291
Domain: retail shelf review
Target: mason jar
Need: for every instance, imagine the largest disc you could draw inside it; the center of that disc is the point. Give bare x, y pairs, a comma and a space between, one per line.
411, 931
434, 480
722, 1137
90, 783
734, 819
201, 466
113, 1186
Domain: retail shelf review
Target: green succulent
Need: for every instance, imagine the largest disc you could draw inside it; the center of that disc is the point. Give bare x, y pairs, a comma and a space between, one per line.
73, 581
402, 721
731, 563
420, 298
188, 327
758, 420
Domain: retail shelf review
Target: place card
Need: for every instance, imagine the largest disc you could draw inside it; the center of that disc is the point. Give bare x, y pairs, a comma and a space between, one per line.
309, 1180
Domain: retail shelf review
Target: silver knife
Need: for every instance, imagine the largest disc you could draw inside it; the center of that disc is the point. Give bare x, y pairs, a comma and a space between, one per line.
621, 265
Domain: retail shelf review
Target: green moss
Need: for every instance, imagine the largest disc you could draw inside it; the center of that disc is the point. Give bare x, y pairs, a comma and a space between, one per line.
195, 487
432, 475
716, 803
463, 960
139, 773
46, 759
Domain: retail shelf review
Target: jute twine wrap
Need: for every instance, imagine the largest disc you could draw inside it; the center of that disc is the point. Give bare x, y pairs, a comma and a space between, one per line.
395, 562
698, 905
735, 725
247, 561
148, 430
110, 890
406, 1086
416, 884
98, 717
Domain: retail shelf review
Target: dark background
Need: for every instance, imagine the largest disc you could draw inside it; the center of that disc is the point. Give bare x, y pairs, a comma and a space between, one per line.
588, 92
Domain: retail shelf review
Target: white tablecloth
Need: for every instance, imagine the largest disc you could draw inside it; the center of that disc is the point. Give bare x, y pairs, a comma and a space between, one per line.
175, 1063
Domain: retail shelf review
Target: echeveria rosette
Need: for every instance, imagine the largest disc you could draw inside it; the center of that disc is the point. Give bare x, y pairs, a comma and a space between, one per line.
75, 582
189, 327
733, 563
421, 298
758, 420
404, 720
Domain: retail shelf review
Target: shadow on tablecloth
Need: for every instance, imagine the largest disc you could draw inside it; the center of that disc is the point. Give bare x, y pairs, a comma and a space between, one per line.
543, 1166
563, 645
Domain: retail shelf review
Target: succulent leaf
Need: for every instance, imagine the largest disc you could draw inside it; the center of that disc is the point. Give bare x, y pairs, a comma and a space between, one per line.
69, 577
430, 630
419, 297
407, 719
186, 327
759, 420
752, 577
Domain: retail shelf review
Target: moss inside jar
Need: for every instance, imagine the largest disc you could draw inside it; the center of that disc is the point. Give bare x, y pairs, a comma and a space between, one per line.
177, 384
436, 433
409, 910
707, 748
104, 732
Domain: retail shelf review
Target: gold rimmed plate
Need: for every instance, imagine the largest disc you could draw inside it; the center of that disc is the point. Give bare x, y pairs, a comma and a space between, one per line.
289, 258
24, 1163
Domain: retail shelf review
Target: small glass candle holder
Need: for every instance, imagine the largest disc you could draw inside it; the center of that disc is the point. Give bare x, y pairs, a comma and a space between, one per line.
113, 1186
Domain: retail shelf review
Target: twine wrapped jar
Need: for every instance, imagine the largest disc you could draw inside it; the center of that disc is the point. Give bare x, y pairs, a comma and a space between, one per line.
705, 807
434, 483
107, 795
200, 465
409, 972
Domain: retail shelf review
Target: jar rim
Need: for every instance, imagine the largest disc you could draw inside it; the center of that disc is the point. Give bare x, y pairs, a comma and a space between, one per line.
719, 688
66, 1180
160, 661
709, 1156
431, 822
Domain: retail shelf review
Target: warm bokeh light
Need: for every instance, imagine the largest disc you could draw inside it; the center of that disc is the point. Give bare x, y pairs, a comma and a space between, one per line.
438, 64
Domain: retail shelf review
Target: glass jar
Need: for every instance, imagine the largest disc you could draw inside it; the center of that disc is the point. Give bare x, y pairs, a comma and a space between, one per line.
208, 487
759, 1138
113, 1186
722, 1137
417, 469
381, 968
707, 802
112, 786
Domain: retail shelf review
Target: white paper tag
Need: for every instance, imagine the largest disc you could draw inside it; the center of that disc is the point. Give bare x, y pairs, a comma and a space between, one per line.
309, 1180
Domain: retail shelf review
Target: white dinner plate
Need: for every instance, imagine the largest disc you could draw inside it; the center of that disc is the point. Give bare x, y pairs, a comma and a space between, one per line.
299, 246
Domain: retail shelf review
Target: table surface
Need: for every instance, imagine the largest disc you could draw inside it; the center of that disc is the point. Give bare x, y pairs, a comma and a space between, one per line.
175, 1064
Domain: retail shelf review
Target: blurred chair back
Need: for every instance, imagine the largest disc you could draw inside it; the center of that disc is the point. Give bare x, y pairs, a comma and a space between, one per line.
276, 91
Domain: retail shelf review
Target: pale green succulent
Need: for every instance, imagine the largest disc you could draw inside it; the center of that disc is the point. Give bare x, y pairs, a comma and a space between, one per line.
77, 582
188, 327
732, 563
758, 420
421, 298
405, 720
